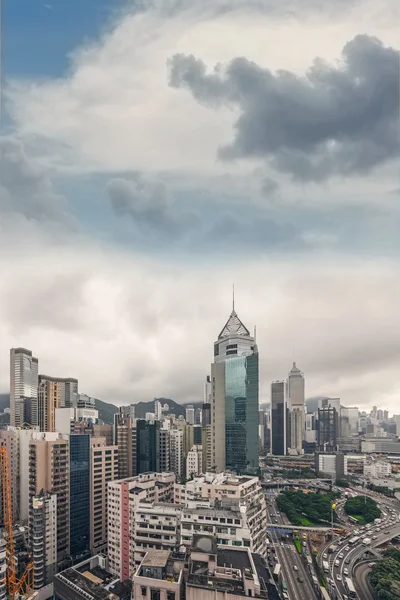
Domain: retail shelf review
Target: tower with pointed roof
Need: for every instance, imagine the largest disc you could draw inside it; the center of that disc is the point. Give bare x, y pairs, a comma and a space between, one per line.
235, 382
296, 404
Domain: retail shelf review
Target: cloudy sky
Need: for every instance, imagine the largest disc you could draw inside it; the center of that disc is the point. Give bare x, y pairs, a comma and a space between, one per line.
154, 152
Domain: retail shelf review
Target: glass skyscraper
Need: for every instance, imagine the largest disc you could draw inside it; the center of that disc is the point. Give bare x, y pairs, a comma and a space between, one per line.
235, 383
79, 494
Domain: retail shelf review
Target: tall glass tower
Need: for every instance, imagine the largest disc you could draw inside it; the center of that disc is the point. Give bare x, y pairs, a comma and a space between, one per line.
235, 381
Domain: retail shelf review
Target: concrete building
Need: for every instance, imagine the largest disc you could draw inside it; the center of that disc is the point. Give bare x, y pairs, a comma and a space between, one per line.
333, 464
125, 439
205, 572
243, 492
43, 534
231, 522
194, 461
50, 391
158, 409
90, 580
151, 487
377, 469
24, 369
190, 414
235, 391
103, 468
165, 450
349, 421
153, 525
380, 446
49, 470
296, 394
176, 453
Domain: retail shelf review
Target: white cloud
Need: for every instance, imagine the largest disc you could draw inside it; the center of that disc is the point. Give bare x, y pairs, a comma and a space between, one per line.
114, 111
131, 328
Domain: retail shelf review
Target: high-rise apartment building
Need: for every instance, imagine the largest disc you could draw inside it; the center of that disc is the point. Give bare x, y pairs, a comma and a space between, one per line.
79, 481
50, 392
165, 450
103, 468
125, 439
194, 461
279, 418
296, 395
234, 375
177, 455
149, 487
23, 383
43, 533
49, 471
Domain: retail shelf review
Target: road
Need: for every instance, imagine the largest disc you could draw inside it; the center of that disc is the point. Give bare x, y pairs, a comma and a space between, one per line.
347, 555
360, 575
289, 558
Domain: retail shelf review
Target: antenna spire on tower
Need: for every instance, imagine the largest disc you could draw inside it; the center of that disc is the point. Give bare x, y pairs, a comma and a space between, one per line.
233, 297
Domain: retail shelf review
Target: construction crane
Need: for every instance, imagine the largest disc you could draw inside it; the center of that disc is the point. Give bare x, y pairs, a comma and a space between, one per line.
16, 587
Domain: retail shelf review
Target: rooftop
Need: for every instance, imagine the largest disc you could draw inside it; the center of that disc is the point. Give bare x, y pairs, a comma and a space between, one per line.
234, 326
156, 558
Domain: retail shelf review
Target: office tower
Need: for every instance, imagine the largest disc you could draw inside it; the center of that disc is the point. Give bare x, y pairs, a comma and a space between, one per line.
379, 414
123, 496
349, 421
165, 450
49, 470
43, 533
147, 446
296, 400
328, 428
385, 415
50, 391
311, 428
194, 461
234, 376
157, 409
79, 481
198, 417
176, 456
125, 439
190, 414
23, 383
197, 435
85, 401
279, 418
69, 396
103, 468
207, 391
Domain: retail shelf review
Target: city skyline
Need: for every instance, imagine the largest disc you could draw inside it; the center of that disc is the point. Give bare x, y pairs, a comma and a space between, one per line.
141, 174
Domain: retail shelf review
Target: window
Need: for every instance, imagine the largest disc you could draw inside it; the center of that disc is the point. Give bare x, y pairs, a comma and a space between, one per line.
170, 595
154, 594
144, 591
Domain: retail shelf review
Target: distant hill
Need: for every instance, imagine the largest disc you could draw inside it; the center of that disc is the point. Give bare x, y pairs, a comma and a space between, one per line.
4, 401
106, 411
141, 408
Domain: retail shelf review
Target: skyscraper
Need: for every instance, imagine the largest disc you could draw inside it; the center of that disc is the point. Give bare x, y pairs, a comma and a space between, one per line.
279, 418
328, 428
79, 494
147, 446
234, 376
125, 439
23, 383
296, 400
50, 392
190, 414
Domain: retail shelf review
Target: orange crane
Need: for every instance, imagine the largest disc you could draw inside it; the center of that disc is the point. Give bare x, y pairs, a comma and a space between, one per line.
16, 587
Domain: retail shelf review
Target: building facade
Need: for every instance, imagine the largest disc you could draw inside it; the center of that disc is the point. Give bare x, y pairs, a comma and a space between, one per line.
103, 468
279, 418
296, 393
147, 446
43, 533
79, 494
235, 390
24, 370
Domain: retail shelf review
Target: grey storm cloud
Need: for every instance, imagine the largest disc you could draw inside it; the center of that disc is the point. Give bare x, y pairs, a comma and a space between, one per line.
337, 119
149, 205
25, 187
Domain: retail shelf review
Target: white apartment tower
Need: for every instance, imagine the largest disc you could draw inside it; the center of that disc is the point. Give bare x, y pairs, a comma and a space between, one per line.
176, 452
23, 383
